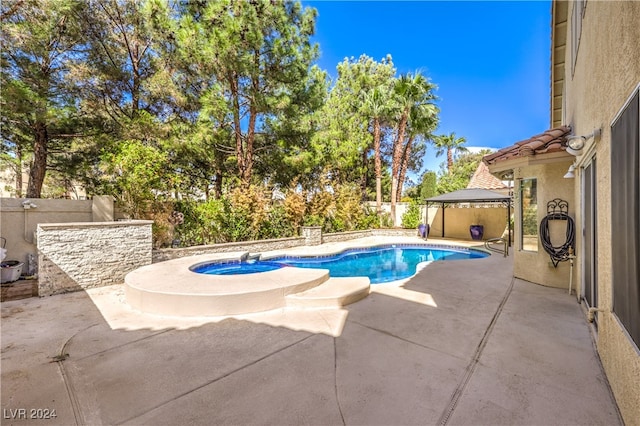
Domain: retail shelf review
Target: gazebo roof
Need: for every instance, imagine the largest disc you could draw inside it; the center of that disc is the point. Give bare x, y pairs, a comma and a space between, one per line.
469, 195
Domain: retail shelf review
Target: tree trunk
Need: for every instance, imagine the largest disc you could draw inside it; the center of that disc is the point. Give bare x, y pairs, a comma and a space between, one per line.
19, 172
217, 187
403, 167
395, 163
39, 165
245, 177
240, 154
449, 160
365, 172
394, 186
378, 164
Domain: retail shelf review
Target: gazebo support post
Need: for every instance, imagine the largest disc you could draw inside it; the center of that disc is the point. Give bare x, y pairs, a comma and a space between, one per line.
442, 220
426, 219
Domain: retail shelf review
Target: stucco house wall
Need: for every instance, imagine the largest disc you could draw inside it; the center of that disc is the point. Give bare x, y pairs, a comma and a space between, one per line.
606, 73
536, 266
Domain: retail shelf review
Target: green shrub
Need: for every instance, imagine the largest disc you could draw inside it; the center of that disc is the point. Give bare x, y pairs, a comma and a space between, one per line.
189, 232
369, 220
313, 220
349, 209
208, 216
411, 218
249, 214
277, 224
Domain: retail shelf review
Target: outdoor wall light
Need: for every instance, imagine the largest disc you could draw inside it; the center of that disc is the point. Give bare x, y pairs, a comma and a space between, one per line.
576, 143
569, 174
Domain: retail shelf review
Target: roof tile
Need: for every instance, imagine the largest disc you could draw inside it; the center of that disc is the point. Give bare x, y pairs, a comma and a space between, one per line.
552, 140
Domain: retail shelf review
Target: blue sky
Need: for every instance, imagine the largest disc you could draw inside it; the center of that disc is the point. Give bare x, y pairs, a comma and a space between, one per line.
490, 60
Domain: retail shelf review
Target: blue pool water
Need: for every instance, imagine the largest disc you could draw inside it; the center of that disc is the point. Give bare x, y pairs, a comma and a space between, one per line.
381, 264
237, 267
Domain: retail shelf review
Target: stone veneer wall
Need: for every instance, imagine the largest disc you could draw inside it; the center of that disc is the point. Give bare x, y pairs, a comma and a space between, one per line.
312, 235
75, 256
391, 232
161, 255
337, 237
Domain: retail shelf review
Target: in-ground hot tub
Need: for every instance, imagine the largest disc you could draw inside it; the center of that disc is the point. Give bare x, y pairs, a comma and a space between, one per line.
173, 288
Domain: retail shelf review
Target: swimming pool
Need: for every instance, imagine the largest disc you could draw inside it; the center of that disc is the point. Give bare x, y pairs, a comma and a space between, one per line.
380, 263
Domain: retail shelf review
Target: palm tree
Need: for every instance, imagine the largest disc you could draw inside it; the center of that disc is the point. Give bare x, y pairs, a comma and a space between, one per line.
451, 145
377, 104
411, 91
423, 119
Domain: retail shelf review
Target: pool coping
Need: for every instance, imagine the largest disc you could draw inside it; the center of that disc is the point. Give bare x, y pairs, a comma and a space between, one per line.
173, 288
170, 288
380, 246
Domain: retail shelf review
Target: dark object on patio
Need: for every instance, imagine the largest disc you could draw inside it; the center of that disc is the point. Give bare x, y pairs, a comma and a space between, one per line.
423, 230
476, 231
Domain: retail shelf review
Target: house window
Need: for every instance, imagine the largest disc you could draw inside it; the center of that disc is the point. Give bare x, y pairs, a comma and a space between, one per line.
625, 212
529, 215
576, 30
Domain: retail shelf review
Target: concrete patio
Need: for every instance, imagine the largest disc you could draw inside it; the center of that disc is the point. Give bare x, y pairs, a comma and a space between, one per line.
461, 343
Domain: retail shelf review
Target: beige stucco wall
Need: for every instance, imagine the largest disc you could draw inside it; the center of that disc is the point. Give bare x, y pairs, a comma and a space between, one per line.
536, 266
458, 220
607, 72
18, 225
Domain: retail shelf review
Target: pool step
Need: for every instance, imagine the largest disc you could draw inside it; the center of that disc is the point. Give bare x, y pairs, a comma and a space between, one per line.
333, 293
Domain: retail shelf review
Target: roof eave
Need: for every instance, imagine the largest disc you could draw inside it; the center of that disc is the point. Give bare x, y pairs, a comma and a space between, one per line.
559, 11
500, 167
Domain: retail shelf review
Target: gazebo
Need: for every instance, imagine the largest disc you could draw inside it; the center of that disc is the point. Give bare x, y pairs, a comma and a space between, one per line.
470, 195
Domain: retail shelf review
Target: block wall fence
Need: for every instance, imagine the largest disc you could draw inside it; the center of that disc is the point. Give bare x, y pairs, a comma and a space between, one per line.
311, 236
